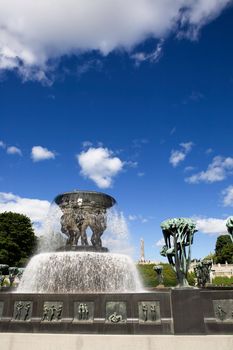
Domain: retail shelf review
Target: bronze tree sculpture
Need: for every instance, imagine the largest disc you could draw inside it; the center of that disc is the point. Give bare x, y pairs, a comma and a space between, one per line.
178, 236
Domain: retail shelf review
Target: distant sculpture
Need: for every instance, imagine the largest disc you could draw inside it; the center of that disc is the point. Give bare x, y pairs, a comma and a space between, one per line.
83, 210
229, 225
159, 271
178, 236
4, 271
202, 272
142, 250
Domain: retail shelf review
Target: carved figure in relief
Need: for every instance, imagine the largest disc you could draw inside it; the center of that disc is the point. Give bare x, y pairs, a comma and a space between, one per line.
27, 307
59, 312
221, 314
45, 313
115, 318
145, 312
153, 312
19, 308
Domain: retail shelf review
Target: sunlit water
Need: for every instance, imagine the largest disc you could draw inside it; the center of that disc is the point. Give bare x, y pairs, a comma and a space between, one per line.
80, 272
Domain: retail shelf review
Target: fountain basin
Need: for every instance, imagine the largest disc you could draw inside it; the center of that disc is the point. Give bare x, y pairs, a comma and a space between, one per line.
80, 272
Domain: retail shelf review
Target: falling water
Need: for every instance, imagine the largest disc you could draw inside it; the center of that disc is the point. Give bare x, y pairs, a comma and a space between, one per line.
80, 271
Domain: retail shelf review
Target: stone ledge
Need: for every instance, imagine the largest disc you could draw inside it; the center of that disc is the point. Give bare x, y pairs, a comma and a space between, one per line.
22, 341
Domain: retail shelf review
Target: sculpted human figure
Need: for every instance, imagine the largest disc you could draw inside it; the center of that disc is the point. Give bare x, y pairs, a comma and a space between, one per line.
159, 270
220, 312
59, 312
19, 307
98, 227
80, 311
145, 312
229, 225
27, 307
202, 272
153, 312
82, 210
86, 311
178, 236
115, 318
45, 313
52, 312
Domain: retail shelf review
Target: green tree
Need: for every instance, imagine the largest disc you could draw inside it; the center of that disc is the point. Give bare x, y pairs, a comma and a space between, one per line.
17, 239
211, 256
224, 250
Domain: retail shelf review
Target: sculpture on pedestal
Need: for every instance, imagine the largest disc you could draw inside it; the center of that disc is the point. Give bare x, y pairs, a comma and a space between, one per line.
202, 272
82, 210
229, 225
159, 270
178, 236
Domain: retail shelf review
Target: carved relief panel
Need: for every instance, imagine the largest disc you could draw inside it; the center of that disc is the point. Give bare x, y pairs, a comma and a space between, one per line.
223, 310
22, 310
52, 311
116, 312
149, 311
83, 311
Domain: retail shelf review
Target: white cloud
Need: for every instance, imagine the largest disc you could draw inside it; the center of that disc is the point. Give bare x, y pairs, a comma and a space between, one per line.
35, 209
178, 156
14, 150
152, 57
140, 174
228, 197
218, 170
35, 32
41, 153
87, 144
211, 226
99, 165
2, 144
160, 242
209, 151
189, 168
139, 218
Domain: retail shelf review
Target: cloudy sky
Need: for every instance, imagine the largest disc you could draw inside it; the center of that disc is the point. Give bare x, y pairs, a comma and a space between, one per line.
133, 98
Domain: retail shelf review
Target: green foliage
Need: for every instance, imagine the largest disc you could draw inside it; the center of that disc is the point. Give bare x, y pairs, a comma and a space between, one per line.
191, 278
211, 256
17, 239
224, 250
149, 276
222, 281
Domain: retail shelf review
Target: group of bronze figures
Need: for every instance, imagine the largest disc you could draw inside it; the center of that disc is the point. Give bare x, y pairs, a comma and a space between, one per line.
178, 237
77, 217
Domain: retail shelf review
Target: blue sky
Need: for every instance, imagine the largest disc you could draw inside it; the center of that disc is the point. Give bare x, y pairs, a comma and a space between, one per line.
148, 120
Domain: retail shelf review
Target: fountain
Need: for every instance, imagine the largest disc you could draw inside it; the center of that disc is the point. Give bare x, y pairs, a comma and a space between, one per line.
81, 266
83, 288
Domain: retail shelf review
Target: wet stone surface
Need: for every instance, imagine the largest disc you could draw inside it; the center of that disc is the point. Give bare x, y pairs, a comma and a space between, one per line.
1, 308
